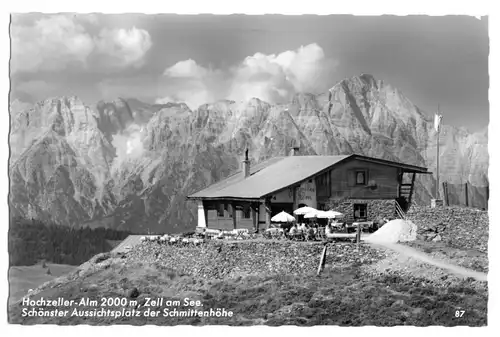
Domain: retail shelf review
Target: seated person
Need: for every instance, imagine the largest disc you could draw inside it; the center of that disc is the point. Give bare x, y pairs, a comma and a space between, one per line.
329, 229
286, 226
311, 232
293, 230
340, 226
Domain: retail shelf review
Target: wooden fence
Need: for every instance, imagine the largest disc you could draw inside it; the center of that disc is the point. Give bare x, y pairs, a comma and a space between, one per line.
465, 195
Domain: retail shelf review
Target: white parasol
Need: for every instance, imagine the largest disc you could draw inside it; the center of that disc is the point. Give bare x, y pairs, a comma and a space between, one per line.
330, 215
282, 217
311, 215
304, 210
316, 214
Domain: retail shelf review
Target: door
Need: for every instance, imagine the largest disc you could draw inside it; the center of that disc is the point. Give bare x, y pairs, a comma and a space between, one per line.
360, 212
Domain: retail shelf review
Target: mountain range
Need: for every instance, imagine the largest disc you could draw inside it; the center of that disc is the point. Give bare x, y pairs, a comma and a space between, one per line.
129, 165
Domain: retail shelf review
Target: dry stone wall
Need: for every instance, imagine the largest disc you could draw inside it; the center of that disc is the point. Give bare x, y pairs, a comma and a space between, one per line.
218, 260
465, 228
377, 209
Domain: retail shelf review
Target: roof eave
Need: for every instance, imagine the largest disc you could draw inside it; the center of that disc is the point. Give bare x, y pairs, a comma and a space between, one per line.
412, 168
253, 199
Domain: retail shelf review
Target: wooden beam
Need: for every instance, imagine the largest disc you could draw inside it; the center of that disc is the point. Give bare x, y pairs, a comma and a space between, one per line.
404, 167
466, 194
322, 260
217, 218
445, 192
225, 199
233, 209
255, 216
400, 182
267, 206
205, 210
358, 234
411, 189
342, 235
257, 227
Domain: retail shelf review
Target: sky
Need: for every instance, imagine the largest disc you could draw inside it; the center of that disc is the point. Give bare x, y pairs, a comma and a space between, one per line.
200, 59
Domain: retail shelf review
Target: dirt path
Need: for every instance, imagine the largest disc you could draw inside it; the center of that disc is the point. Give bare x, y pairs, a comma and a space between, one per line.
413, 253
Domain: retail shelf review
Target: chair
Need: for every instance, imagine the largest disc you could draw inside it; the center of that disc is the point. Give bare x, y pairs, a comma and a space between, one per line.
267, 235
299, 235
279, 233
320, 234
310, 235
241, 233
340, 227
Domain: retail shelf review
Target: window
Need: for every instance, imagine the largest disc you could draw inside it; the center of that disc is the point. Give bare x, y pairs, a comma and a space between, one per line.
220, 210
361, 177
360, 211
246, 212
229, 209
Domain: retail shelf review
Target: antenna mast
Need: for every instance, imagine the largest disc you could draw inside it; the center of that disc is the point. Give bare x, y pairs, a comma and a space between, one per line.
438, 125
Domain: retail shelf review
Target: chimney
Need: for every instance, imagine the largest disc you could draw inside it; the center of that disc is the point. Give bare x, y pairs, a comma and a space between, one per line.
294, 151
246, 165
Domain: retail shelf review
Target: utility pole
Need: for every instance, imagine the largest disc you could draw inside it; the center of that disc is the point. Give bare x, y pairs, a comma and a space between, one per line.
437, 125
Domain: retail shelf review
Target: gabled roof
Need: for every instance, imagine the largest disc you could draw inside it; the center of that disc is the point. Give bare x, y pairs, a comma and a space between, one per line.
278, 173
210, 191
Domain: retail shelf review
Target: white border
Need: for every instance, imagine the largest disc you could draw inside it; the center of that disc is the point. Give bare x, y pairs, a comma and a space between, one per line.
379, 7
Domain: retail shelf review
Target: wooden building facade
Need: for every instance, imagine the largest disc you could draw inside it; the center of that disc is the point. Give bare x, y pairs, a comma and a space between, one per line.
360, 186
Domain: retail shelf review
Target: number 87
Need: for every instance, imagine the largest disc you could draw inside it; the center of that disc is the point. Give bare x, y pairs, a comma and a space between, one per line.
459, 313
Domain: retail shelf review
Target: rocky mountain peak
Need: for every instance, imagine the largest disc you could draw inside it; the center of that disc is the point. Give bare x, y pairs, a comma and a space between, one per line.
129, 164
257, 103
369, 79
17, 106
180, 105
66, 116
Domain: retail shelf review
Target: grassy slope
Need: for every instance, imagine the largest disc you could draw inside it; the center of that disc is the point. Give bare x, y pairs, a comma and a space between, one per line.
21, 279
338, 297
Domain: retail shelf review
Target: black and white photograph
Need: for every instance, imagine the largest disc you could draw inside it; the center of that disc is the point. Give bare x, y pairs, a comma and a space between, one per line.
274, 170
